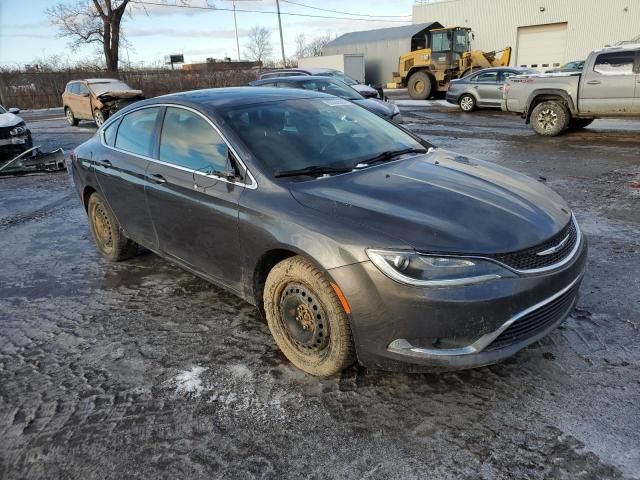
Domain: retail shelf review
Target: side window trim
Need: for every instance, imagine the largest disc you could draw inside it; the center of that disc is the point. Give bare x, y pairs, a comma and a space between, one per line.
245, 172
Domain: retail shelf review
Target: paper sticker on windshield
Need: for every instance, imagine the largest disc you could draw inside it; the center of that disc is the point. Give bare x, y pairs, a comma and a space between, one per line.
334, 102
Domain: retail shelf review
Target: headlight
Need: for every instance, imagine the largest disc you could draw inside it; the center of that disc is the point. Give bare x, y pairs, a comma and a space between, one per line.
19, 130
433, 271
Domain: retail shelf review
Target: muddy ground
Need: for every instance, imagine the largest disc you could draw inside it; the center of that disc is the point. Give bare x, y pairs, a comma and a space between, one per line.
140, 370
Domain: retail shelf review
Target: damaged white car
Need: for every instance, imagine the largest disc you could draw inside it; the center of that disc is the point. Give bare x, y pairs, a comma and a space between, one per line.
15, 137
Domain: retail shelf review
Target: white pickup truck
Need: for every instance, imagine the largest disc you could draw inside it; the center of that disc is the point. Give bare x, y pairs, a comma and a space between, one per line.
608, 86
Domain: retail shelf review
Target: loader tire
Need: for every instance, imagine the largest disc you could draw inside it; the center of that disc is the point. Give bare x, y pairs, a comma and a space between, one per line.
420, 86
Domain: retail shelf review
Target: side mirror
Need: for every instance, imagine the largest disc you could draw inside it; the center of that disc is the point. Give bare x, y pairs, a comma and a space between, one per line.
14, 110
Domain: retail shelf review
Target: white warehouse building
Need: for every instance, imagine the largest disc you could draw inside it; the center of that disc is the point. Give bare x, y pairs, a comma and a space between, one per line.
542, 33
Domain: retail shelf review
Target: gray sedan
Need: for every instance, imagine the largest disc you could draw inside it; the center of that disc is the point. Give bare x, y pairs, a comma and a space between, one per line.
483, 88
334, 87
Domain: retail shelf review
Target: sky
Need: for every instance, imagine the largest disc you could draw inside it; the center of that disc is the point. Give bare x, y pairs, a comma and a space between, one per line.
157, 31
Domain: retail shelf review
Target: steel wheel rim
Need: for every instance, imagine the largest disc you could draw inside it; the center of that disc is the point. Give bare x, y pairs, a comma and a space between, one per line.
102, 228
303, 319
547, 119
466, 103
419, 86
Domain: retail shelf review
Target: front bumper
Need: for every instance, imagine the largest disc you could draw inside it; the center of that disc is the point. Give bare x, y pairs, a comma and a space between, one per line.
398, 327
15, 141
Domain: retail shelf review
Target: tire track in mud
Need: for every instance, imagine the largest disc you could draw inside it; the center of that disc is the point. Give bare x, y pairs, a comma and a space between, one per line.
41, 213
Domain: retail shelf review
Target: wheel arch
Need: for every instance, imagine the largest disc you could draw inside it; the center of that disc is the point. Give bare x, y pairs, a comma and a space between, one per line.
539, 96
423, 69
86, 194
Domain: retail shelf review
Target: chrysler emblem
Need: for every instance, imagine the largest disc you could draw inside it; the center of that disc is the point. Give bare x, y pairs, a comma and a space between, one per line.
555, 248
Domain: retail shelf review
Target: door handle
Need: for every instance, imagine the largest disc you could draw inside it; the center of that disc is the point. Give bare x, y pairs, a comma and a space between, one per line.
157, 178
105, 163
594, 82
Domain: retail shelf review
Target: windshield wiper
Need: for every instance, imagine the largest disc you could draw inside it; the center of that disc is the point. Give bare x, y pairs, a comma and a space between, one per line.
313, 170
389, 155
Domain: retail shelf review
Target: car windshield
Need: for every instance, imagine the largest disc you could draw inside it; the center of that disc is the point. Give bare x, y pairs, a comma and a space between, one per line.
320, 132
340, 76
102, 87
2, 110
336, 88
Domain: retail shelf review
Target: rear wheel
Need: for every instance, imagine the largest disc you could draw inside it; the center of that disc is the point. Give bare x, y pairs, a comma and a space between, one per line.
307, 319
578, 123
71, 119
106, 231
419, 86
467, 103
550, 118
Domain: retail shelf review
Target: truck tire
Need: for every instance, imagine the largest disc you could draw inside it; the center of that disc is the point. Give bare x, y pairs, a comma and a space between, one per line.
106, 231
420, 86
550, 118
579, 123
307, 318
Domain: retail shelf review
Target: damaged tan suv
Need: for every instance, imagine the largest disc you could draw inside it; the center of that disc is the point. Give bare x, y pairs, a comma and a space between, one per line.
96, 99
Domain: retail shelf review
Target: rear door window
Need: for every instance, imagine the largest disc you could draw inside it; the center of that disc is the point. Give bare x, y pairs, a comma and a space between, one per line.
486, 77
136, 132
615, 63
189, 141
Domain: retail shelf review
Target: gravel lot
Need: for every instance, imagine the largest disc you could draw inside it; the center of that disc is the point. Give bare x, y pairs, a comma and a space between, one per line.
140, 370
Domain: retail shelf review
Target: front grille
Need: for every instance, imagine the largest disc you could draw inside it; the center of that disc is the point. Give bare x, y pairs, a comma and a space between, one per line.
4, 132
528, 259
535, 321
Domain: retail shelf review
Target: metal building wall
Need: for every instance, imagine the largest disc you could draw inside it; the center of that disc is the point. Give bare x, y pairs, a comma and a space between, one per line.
591, 23
381, 58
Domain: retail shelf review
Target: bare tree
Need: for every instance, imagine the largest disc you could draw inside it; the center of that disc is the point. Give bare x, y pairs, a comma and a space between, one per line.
310, 48
92, 22
258, 47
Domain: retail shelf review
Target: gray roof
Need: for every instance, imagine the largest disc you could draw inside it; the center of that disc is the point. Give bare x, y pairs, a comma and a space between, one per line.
393, 33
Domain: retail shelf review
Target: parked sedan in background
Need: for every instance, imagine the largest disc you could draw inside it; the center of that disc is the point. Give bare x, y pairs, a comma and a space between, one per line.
15, 137
355, 238
483, 88
364, 90
337, 88
96, 99
575, 66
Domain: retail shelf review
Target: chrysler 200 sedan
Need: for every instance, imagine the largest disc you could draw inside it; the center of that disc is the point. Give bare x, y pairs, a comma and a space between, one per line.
357, 240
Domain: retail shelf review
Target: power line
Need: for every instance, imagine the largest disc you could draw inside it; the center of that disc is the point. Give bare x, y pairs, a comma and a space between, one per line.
194, 7
343, 13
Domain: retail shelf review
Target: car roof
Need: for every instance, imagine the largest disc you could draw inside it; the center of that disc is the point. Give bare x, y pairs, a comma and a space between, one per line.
233, 96
94, 80
297, 79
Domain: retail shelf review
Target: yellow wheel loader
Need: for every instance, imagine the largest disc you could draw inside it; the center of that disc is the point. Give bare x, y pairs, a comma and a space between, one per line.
425, 71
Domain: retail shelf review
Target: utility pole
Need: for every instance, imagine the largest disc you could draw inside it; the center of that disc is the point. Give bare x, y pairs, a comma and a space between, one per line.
235, 25
284, 60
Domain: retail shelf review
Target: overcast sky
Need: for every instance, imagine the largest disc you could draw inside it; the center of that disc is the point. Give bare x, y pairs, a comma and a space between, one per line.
25, 33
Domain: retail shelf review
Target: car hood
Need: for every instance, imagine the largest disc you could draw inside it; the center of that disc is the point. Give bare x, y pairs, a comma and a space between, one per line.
365, 90
376, 106
116, 94
9, 120
441, 202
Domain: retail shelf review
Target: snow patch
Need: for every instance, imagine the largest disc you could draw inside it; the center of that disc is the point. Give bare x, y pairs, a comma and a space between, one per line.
189, 383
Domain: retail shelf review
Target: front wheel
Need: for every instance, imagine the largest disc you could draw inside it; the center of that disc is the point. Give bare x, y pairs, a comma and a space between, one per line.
71, 119
106, 231
467, 103
419, 86
550, 118
99, 117
307, 319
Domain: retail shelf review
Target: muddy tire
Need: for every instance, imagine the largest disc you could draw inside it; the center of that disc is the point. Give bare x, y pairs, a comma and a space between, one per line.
579, 123
419, 86
99, 117
550, 118
307, 319
71, 119
106, 231
467, 103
